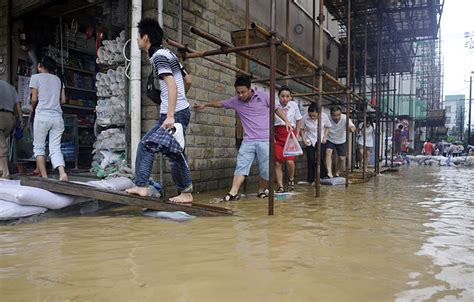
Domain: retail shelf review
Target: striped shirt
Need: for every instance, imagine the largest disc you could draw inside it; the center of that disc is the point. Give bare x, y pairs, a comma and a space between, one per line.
165, 62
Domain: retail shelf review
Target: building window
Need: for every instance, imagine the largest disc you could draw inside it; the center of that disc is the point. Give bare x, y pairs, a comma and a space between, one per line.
448, 120
448, 109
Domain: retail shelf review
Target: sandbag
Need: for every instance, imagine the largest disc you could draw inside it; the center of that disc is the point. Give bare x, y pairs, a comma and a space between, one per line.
335, 181
10, 210
112, 184
178, 215
31, 196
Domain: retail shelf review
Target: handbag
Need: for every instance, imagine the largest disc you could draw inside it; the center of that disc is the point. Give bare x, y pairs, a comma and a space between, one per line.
292, 146
152, 92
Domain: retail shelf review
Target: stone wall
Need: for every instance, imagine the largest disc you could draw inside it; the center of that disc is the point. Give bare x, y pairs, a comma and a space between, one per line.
4, 39
211, 140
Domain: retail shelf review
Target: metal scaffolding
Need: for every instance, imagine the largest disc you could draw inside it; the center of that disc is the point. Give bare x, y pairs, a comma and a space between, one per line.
378, 43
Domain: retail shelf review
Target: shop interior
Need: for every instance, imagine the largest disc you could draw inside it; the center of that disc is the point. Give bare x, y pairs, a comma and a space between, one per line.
87, 39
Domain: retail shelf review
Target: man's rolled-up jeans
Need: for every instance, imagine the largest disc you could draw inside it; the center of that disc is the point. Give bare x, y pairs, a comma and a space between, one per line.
179, 166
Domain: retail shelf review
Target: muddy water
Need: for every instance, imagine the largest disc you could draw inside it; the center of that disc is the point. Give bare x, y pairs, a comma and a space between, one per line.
405, 237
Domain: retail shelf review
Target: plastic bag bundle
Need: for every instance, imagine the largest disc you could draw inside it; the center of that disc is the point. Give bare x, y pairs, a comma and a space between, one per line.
111, 111
292, 146
111, 140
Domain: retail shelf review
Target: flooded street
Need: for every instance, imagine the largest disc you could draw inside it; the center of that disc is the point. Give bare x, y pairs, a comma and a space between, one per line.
404, 236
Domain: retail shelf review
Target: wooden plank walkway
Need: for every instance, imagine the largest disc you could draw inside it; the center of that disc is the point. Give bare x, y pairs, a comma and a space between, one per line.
75, 189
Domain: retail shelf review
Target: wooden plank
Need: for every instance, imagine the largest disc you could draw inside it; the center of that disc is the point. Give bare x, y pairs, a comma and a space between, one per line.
122, 197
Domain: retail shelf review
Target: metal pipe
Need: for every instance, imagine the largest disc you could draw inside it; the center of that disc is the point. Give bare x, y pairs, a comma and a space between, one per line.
378, 85
364, 91
320, 97
470, 111
289, 77
135, 82
215, 61
226, 50
180, 19
297, 54
271, 161
348, 95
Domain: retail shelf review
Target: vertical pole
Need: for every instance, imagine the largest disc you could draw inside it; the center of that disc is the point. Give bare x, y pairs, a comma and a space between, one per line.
180, 21
247, 33
393, 116
348, 92
287, 39
364, 91
469, 118
271, 162
320, 96
378, 92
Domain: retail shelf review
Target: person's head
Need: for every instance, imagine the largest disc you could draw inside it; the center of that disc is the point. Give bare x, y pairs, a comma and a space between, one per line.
369, 121
428, 140
313, 112
47, 65
284, 94
336, 113
149, 33
400, 127
242, 88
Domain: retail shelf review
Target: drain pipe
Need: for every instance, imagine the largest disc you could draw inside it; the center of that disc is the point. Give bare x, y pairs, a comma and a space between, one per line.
135, 82
160, 12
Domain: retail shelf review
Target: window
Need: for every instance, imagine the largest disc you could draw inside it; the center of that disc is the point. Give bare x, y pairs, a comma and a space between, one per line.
448, 109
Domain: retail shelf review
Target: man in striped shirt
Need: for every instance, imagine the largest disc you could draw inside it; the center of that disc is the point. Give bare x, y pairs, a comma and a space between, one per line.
174, 109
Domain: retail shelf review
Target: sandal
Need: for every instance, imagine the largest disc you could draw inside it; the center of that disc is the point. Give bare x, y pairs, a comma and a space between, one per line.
291, 185
280, 190
230, 197
262, 195
34, 173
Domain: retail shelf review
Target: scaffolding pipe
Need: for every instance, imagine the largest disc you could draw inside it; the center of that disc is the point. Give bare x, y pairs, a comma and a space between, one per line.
320, 97
348, 95
364, 91
271, 181
227, 50
185, 48
135, 82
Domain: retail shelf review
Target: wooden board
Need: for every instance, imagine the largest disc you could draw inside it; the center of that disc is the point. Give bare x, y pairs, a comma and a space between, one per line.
56, 186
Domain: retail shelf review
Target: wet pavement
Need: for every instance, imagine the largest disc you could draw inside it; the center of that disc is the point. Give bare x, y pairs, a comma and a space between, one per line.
405, 236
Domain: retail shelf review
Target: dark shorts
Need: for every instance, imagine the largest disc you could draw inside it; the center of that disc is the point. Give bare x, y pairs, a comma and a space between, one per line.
340, 148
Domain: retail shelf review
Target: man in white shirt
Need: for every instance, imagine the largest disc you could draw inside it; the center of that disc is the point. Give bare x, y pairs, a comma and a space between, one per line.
337, 140
309, 134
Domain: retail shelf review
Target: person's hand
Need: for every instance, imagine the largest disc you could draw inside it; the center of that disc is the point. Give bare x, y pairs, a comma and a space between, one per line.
22, 124
323, 141
168, 123
30, 109
199, 106
307, 142
288, 126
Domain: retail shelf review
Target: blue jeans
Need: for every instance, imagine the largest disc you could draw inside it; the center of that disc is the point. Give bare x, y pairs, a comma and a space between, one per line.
179, 166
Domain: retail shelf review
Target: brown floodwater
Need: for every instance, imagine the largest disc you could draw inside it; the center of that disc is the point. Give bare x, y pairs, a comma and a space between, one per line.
405, 236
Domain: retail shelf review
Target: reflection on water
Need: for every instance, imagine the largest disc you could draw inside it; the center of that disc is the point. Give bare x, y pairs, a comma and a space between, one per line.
405, 236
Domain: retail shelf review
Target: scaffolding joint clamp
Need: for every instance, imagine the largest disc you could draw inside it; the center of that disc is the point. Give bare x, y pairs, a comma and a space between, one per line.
320, 71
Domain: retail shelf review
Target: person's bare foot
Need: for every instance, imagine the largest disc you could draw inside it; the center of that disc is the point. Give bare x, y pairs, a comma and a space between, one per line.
141, 191
63, 177
182, 198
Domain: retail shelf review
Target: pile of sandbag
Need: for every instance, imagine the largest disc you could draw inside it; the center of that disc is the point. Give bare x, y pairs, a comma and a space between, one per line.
18, 201
443, 161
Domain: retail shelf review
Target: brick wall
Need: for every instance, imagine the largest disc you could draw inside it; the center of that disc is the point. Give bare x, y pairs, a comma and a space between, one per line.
4, 38
211, 144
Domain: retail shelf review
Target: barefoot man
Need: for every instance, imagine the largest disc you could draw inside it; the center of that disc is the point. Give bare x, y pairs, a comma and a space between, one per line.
174, 109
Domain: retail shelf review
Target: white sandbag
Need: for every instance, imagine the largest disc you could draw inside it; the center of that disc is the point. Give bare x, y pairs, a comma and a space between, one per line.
177, 216
335, 181
10, 210
113, 184
7, 182
31, 196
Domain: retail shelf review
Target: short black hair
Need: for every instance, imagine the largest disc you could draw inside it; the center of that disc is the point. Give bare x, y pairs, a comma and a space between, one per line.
400, 126
242, 81
313, 108
152, 29
284, 88
335, 108
49, 63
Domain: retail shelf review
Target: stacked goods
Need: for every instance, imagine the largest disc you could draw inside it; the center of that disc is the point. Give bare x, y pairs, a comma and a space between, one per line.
111, 51
109, 148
